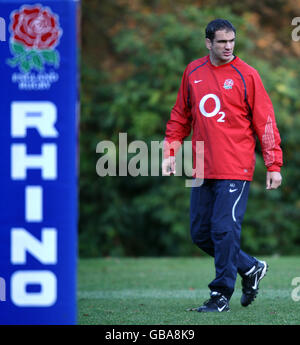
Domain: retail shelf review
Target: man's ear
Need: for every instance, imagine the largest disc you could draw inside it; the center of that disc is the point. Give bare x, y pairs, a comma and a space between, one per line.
208, 43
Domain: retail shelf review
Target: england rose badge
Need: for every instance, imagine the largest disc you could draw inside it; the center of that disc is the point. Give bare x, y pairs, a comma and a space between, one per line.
35, 33
228, 84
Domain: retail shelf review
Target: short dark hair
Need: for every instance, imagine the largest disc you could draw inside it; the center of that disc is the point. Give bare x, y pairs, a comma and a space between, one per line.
216, 25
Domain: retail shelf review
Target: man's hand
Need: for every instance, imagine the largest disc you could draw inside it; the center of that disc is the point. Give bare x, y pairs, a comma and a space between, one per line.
273, 180
169, 166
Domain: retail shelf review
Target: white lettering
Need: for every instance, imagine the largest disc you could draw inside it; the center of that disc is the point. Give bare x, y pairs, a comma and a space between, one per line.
33, 203
39, 115
116, 335
217, 105
33, 288
20, 295
22, 242
20, 162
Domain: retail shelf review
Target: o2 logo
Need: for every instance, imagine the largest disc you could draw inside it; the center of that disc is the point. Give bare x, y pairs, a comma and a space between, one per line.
216, 110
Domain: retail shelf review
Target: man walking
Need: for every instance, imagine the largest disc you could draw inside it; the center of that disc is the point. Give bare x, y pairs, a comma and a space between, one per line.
225, 103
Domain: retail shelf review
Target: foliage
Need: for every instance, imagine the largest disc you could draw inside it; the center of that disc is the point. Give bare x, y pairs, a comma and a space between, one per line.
145, 215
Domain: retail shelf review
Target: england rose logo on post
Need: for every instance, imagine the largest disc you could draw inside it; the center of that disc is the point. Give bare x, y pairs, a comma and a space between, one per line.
35, 32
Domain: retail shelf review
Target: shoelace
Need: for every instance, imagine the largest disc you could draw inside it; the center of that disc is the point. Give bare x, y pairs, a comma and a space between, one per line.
213, 300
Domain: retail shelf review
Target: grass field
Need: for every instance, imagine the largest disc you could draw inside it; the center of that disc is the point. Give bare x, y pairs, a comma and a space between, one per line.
157, 291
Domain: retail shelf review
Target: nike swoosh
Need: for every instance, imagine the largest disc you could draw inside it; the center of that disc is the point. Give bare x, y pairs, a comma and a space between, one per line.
232, 190
197, 81
255, 283
221, 309
257, 279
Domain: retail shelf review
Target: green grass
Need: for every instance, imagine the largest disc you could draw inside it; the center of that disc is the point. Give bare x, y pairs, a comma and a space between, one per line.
157, 291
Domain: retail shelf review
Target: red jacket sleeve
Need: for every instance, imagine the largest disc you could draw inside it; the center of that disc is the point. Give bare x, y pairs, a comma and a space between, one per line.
264, 123
179, 124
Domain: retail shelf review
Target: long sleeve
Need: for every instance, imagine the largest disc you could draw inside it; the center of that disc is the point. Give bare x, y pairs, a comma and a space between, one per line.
179, 125
264, 123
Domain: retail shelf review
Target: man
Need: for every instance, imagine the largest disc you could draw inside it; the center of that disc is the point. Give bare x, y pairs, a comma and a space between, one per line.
225, 103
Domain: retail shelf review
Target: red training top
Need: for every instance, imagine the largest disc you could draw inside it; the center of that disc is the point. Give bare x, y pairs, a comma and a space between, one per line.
227, 106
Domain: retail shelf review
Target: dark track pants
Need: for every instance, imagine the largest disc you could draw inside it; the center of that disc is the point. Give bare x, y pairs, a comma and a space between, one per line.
216, 214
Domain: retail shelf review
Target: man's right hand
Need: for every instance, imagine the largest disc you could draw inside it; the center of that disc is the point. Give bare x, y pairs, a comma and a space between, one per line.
169, 166
273, 180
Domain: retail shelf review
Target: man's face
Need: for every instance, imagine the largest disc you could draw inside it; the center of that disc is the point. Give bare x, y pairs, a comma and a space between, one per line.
221, 48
